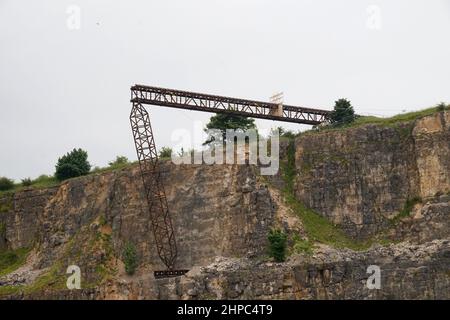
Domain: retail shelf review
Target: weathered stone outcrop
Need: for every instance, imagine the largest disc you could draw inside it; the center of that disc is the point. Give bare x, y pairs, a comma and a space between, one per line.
360, 177
407, 272
217, 210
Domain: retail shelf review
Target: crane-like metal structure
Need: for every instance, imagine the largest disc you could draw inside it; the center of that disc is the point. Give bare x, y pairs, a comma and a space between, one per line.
160, 219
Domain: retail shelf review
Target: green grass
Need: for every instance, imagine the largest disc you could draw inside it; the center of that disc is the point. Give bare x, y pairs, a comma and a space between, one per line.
41, 182
318, 228
51, 279
46, 181
111, 167
55, 278
10, 260
302, 245
388, 121
404, 117
407, 209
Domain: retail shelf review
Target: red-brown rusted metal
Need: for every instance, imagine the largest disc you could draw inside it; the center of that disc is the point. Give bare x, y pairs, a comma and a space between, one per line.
160, 219
220, 104
148, 158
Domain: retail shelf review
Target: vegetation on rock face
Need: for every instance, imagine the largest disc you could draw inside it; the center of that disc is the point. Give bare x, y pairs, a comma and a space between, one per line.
6, 184
318, 228
27, 182
277, 244
389, 121
407, 208
120, 161
10, 260
302, 245
44, 181
73, 164
130, 260
165, 152
441, 106
343, 113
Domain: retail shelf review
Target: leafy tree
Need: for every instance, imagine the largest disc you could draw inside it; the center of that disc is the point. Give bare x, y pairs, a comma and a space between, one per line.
343, 113
130, 258
73, 164
6, 184
441, 106
223, 121
120, 161
165, 152
277, 242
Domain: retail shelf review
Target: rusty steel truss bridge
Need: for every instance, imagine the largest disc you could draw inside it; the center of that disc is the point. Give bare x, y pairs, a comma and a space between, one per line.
161, 222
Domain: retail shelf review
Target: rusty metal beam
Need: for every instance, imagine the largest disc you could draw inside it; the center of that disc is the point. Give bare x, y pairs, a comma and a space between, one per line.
148, 157
220, 104
169, 273
160, 219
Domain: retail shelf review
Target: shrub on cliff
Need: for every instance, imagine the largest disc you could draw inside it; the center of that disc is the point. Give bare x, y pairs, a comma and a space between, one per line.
6, 184
73, 164
223, 122
129, 257
119, 162
27, 182
165, 152
277, 244
441, 106
343, 113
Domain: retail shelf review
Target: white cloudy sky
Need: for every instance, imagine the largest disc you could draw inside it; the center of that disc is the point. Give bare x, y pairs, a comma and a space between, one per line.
63, 88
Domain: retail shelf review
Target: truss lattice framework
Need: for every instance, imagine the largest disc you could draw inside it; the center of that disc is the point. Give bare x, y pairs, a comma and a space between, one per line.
161, 221
220, 104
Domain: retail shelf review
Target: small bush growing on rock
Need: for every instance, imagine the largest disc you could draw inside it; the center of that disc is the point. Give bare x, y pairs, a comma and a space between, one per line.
130, 258
27, 182
277, 244
165, 152
6, 184
120, 161
73, 164
302, 246
441, 106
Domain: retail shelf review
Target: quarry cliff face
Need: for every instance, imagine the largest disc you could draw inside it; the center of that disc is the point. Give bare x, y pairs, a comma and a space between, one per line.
361, 179
217, 211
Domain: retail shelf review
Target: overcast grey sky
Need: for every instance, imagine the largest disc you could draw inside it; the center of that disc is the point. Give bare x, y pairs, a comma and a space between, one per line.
62, 88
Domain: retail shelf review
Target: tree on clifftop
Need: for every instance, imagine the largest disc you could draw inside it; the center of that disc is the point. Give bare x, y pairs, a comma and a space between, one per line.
223, 121
343, 113
73, 164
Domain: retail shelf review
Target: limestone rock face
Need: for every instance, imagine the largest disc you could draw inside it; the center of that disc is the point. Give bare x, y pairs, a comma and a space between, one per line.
358, 177
406, 272
217, 211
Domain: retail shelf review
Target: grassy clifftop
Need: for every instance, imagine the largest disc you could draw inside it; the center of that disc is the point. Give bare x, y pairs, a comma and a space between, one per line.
382, 121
